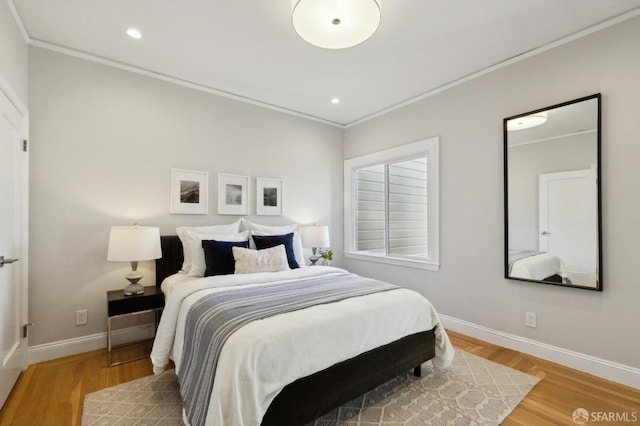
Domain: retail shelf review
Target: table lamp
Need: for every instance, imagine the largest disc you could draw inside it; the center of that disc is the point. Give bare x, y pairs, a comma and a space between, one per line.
315, 237
133, 244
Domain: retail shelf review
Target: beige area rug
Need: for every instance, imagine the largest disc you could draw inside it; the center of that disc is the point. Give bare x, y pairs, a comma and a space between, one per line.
473, 391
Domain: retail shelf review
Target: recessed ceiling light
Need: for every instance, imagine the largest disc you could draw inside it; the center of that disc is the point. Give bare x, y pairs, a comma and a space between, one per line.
335, 101
134, 33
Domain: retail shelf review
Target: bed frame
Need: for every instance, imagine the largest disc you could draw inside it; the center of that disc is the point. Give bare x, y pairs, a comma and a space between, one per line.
310, 397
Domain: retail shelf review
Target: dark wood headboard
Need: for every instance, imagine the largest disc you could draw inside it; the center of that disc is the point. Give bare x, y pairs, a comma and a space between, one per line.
172, 257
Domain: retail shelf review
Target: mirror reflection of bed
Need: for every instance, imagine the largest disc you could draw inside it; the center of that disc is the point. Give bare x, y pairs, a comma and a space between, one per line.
551, 175
539, 266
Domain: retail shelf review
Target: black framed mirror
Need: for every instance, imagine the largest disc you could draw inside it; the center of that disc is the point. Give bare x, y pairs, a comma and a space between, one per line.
552, 195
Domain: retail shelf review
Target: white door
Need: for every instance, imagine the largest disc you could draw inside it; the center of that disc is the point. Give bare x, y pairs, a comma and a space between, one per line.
13, 295
568, 222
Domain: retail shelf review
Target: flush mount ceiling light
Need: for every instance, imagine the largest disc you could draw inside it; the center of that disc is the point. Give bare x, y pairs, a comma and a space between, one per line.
134, 33
335, 101
335, 24
527, 121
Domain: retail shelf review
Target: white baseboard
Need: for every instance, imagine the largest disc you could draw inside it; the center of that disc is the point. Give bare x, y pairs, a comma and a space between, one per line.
609, 370
62, 348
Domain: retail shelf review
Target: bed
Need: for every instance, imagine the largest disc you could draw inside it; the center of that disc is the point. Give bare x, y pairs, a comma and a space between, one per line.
306, 392
535, 265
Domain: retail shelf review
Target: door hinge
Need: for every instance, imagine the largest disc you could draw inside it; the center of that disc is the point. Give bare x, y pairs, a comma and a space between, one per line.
25, 329
24, 145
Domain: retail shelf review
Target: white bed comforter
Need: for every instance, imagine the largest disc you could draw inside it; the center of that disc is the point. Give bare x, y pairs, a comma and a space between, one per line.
261, 358
539, 267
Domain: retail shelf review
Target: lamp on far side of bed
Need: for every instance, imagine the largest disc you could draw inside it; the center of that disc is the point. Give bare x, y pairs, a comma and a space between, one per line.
133, 244
315, 237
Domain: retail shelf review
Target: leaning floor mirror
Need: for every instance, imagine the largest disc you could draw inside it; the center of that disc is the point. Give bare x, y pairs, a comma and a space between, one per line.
552, 195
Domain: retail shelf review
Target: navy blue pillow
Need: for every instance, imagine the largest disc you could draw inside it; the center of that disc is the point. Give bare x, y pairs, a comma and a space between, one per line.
218, 255
268, 241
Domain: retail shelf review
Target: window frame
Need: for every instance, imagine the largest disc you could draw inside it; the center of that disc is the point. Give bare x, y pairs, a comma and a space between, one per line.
426, 147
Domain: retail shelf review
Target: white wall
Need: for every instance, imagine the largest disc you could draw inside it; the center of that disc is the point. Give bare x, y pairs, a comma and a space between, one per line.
13, 54
103, 142
468, 118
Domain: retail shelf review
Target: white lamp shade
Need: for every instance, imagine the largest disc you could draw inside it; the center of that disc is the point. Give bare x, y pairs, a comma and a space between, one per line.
134, 243
315, 236
335, 24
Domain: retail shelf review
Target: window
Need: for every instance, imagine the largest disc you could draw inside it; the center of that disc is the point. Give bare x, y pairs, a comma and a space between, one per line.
391, 206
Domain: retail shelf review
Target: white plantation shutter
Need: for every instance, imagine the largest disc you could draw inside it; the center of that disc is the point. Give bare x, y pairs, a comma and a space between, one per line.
391, 213
370, 213
408, 208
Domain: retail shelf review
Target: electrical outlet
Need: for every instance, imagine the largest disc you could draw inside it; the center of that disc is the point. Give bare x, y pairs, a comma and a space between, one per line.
530, 319
82, 317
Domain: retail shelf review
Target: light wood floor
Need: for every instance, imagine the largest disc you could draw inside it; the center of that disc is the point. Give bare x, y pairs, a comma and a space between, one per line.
51, 393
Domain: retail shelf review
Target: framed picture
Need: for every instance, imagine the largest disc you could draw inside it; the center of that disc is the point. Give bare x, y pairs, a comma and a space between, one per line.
233, 194
189, 192
269, 196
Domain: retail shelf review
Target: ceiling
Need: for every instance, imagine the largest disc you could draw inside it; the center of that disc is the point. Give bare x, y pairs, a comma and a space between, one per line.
248, 49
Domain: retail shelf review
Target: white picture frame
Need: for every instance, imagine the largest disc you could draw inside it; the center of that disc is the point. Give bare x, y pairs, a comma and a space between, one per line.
269, 197
233, 194
189, 192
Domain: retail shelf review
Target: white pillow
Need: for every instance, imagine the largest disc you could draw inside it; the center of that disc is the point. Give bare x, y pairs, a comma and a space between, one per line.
265, 230
196, 252
231, 228
249, 261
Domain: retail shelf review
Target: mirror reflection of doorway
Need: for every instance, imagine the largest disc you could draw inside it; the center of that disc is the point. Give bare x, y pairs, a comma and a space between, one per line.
567, 207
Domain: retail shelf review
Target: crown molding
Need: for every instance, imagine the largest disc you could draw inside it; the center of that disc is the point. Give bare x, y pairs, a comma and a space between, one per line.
18, 19
169, 79
521, 57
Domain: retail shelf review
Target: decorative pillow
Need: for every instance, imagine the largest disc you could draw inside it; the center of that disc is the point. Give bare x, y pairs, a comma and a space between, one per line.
196, 252
258, 229
268, 241
231, 228
249, 261
218, 256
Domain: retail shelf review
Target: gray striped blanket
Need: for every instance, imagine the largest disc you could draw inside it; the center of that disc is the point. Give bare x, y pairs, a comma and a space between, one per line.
213, 318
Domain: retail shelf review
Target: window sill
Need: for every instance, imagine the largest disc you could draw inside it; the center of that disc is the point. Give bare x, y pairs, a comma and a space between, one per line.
419, 264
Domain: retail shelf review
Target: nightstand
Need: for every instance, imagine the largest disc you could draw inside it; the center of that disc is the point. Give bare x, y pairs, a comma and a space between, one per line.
152, 300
